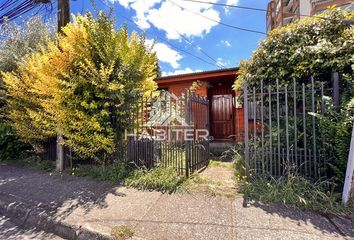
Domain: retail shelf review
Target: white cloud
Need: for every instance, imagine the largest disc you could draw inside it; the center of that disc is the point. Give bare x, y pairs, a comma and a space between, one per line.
180, 71
229, 2
170, 18
225, 43
222, 62
165, 53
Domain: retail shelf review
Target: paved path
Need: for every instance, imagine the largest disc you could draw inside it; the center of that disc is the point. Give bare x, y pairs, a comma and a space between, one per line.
12, 231
153, 215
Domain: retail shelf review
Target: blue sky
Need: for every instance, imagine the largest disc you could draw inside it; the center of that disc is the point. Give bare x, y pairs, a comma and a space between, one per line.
162, 19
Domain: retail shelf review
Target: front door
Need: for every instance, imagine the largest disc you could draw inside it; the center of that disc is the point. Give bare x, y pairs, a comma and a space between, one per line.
222, 117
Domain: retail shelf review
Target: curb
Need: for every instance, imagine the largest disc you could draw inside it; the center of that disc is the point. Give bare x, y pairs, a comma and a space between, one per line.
35, 215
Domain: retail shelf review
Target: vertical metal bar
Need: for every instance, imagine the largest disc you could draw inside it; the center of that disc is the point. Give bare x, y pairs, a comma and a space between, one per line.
335, 79
254, 130
313, 127
278, 123
247, 160
287, 126
187, 111
262, 126
322, 100
322, 110
284, 166
295, 123
304, 121
270, 130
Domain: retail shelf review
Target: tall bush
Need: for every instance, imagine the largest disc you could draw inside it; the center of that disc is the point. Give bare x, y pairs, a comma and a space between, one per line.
17, 41
82, 87
315, 45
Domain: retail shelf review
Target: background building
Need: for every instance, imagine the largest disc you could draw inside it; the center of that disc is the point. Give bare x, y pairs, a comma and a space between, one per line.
283, 12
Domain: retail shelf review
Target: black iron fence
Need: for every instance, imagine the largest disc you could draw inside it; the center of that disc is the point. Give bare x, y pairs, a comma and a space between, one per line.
281, 128
163, 130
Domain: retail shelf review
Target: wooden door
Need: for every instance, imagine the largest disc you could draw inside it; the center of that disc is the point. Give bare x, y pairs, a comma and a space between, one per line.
222, 117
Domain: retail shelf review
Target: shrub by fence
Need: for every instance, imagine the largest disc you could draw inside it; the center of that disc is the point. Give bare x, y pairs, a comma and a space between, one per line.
281, 132
148, 117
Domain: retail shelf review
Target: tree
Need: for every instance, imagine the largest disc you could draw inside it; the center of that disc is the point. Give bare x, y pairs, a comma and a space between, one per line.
16, 43
83, 87
315, 45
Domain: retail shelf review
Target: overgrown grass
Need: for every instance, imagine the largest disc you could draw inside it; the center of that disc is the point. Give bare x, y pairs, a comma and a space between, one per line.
33, 162
296, 192
215, 163
116, 172
159, 178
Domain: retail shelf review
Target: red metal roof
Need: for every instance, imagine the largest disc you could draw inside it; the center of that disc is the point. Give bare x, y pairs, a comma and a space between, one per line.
198, 75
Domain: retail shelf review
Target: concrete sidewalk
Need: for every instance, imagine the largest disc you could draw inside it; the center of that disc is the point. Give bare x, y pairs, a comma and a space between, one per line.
98, 206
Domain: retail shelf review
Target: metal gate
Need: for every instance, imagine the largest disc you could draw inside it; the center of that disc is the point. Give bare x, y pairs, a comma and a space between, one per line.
281, 128
176, 117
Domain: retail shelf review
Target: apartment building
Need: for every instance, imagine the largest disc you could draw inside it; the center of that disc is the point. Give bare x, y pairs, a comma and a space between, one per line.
283, 12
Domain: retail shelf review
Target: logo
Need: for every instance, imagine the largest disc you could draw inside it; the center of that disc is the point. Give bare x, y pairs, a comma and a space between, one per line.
166, 121
167, 111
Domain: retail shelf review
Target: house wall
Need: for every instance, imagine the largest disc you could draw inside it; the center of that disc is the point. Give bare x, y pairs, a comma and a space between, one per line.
210, 86
180, 88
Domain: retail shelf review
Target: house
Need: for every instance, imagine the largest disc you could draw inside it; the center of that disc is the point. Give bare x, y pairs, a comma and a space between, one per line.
283, 12
226, 115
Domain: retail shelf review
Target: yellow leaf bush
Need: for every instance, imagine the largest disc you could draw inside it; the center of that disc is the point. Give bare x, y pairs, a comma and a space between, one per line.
82, 86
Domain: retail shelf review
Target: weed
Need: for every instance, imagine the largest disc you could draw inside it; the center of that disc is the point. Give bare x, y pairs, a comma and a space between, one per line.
159, 178
296, 192
116, 172
31, 161
214, 163
122, 232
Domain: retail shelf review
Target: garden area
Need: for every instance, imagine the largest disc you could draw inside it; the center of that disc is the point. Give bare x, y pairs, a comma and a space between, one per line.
302, 54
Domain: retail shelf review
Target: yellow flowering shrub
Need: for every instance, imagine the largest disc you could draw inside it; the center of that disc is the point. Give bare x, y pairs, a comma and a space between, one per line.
81, 87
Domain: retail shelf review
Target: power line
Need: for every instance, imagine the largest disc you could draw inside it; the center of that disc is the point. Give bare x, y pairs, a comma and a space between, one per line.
197, 47
171, 45
13, 9
164, 41
201, 50
216, 21
251, 8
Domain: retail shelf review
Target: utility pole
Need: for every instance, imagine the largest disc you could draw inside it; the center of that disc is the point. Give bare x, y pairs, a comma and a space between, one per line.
63, 13
63, 20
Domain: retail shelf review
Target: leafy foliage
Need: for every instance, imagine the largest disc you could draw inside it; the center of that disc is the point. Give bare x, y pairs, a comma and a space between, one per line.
296, 192
27, 159
17, 41
10, 145
159, 178
83, 87
315, 45
116, 172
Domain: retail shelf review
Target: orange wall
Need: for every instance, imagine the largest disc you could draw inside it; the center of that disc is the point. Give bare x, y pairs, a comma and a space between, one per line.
179, 88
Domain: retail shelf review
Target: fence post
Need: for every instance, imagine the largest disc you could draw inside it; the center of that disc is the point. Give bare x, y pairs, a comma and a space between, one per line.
245, 104
348, 182
335, 80
60, 154
188, 143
